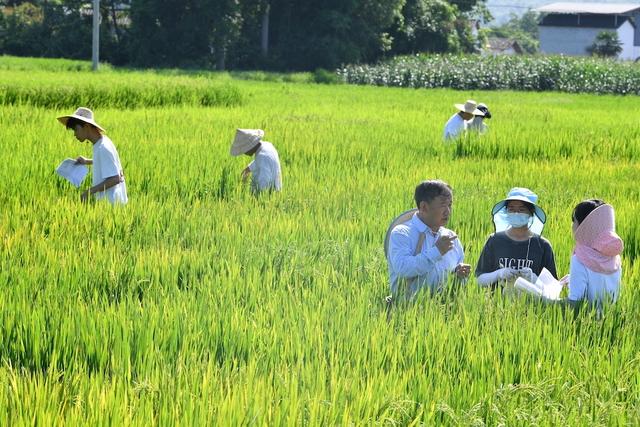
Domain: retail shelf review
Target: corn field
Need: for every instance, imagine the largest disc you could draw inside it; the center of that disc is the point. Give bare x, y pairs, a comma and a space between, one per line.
518, 72
198, 304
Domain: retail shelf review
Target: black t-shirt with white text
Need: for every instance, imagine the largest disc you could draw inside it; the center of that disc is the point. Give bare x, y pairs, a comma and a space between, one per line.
501, 251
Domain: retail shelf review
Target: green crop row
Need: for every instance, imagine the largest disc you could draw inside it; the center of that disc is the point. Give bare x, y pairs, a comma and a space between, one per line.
527, 73
49, 89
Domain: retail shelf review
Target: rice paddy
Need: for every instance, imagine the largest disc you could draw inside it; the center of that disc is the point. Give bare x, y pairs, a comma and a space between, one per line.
197, 304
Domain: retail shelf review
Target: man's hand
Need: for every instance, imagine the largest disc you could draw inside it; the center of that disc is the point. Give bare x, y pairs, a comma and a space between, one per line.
445, 243
245, 173
462, 270
83, 160
84, 197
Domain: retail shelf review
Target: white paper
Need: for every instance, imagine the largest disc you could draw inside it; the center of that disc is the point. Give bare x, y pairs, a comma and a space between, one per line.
73, 172
527, 286
551, 288
546, 286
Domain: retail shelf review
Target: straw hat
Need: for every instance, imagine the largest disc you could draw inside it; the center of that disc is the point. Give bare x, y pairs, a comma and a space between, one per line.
245, 140
84, 115
470, 107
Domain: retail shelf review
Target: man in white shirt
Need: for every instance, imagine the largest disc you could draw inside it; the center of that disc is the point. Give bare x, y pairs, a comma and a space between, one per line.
422, 252
457, 124
265, 168
108, 177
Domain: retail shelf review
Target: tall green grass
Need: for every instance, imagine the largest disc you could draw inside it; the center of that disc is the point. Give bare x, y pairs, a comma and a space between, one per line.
65, 84
197, 304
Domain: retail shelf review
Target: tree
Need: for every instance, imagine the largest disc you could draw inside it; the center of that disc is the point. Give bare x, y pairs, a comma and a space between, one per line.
306, 35
183, 32
606, 44
426, 26
523, 29
438, 26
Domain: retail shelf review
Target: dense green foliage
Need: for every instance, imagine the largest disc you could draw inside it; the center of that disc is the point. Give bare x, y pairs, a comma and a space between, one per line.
197, 304
248, 34
607, 44
565, 74
52, 89
523, 29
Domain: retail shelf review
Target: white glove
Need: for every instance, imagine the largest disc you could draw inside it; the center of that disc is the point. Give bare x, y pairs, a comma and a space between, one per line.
487, 279
506, 273
528, 274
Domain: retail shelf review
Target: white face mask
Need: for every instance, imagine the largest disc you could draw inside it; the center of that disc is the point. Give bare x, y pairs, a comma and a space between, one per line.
517, 220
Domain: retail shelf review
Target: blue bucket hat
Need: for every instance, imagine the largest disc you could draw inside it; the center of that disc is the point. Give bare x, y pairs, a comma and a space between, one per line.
524, 195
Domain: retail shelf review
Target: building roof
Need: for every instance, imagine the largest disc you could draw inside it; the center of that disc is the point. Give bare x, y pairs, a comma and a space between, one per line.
597, 8
499, 45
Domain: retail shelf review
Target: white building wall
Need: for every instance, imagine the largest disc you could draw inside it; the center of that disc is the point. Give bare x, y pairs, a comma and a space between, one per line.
626, 34
575, 40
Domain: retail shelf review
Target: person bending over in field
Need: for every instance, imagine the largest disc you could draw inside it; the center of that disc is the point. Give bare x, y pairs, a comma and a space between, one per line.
265, 168
457, 124
516, 249
596, 267
108, 177
477, 124
422, 253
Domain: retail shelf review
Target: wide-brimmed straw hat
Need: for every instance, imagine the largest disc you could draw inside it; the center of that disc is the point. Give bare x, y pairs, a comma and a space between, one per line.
470, 107
84, 115
524, 195
245, 140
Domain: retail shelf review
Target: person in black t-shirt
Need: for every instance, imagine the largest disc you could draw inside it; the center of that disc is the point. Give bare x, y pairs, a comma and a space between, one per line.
516, 249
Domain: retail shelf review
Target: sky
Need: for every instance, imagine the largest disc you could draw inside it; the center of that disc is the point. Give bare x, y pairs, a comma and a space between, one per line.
501, 9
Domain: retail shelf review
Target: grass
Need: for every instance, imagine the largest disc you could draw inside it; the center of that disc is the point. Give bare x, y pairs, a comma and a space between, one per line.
199, 305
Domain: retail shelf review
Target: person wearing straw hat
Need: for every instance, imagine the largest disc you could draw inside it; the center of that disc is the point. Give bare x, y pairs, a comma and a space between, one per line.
422, 253
265, 168
596, 267
457, 124
516, 249
477, 124
108, 177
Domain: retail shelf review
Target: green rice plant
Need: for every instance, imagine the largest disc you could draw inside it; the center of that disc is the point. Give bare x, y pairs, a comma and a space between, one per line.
198, 304
113, 90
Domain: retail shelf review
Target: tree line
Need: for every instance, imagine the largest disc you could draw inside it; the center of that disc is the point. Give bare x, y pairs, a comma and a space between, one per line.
237, 34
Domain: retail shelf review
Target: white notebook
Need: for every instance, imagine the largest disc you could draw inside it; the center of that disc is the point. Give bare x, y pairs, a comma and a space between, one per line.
73, 172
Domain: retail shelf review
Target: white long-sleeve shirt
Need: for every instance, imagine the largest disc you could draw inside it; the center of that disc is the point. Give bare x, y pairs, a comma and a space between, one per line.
454, 127
265, 169
586, 284
429, 267
477, 124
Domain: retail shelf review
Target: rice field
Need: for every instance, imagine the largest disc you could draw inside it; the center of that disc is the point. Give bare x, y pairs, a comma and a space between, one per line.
197, 304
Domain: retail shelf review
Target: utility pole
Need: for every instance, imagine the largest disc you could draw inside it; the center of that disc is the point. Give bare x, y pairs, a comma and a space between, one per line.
95, 55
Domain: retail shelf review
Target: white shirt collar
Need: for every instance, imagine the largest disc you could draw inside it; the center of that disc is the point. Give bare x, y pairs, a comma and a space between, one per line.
422, 227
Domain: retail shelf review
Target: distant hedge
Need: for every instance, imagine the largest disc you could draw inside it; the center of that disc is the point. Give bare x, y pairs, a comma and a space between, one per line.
529, 73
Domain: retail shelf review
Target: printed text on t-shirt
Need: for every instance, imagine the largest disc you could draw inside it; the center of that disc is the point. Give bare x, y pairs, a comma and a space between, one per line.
517, 263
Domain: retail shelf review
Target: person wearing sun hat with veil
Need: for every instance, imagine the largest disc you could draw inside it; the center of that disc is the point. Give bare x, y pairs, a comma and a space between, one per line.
596, 266
516, 249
